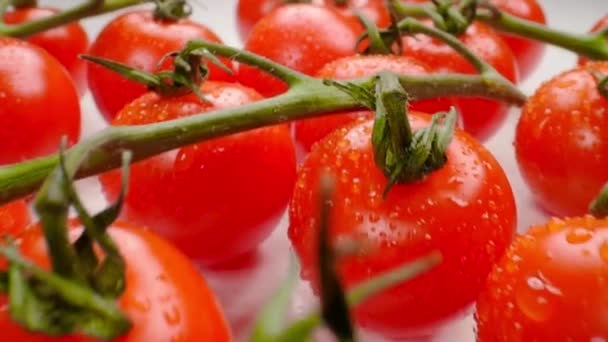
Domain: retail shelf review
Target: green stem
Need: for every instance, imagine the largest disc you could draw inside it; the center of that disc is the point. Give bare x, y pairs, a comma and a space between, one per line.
307, 98
87, 9
591, 45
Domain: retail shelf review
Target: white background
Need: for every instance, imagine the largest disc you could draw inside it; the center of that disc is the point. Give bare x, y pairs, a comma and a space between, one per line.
576, 16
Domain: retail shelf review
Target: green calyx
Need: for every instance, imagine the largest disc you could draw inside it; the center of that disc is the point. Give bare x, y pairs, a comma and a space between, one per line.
189, 71
599, 205
403, 155
79, 295
172, 10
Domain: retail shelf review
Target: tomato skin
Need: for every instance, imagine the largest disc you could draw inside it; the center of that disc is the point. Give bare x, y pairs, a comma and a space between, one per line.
480, 117
602, 23
139, 40
38, 104
549, 286
412, 221
561, 144
301, 36
166, 298
309, 131
210, 199
64, 42
249, 12
13, 217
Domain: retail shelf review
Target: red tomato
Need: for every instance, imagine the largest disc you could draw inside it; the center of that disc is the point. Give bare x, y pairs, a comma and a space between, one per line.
527, 52
211, 199
549, 286
13, 217
140, 40
64, 42
38, 104
601, 24
166, 298
480, 117
561, 142
249, 12
466, 210
308, 132
301, 36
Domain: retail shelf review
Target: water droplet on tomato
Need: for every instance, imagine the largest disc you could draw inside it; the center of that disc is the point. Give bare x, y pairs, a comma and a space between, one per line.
579, 235
172, 316
534, 301
142, 304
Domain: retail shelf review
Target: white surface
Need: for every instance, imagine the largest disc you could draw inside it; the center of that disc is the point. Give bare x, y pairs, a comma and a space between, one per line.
575, 16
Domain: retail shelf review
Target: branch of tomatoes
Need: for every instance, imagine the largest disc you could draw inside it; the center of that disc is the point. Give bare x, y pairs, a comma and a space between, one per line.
591, 45
307, 97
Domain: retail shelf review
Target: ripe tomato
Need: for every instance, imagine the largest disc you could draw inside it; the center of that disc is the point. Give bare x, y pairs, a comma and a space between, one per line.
210, 199
301, 36
139, 40
601, 24
249, 12
166, 298
64, 42
38, 104
13, 217
466, 210
549, 286
561, 141
480, 117
527, 52
308, 132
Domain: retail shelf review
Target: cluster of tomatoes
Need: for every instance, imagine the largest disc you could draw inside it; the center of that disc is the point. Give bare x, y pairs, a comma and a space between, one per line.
215, 201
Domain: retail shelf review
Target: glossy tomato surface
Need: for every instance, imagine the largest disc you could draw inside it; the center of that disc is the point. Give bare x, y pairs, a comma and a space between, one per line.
13, 217
64, 42
561, 142
249, 12
307, 132
38, 103
550, 285
303, 37
214, 200
139, 40
465, 210
480, 117
166, 298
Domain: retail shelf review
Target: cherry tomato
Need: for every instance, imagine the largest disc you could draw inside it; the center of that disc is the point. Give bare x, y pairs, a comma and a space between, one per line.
212, 199
601, 24
466, 210
166, 298
13, 217
249, 12
64, 42
549, 286
301, 36
38, 104
528, 53
308, 132
139, 40
561, 142
480, 117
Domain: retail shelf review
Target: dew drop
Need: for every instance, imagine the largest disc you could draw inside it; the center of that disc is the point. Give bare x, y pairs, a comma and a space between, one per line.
579, 235
142, 304
172, 316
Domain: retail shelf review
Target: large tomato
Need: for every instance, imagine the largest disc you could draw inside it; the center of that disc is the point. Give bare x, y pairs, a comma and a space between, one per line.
480, 117
64, 42
307, 132
215, 200
139, 40
561, 141
465, 209
166, 298
39, 104
301, 36
249, 12
550, 285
